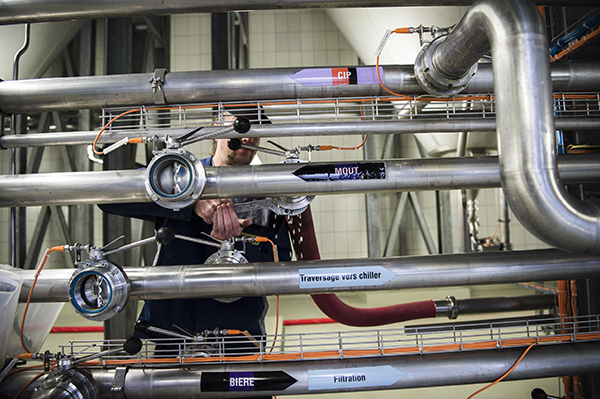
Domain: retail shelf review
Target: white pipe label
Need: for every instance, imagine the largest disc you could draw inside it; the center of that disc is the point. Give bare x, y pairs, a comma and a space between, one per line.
332, 379
358, 276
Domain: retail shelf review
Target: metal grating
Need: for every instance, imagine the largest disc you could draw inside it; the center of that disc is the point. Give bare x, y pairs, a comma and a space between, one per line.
347, 344
332, 110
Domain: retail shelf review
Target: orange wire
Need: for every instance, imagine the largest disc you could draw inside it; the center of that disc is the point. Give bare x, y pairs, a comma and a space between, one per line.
506, 374
576, 45
357, 353
42, 263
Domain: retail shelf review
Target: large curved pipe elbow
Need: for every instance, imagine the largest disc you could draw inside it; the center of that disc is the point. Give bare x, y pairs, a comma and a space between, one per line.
514, 31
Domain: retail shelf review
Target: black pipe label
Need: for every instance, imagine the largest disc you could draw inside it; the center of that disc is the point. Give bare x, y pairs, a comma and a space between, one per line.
246, 381
342, 171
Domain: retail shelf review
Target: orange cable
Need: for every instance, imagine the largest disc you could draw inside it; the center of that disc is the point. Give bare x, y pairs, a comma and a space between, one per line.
506, 374
42, 263
359, 352
576, 45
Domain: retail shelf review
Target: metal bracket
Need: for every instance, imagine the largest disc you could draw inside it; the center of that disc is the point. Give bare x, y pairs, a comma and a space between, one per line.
157, 81
118, 383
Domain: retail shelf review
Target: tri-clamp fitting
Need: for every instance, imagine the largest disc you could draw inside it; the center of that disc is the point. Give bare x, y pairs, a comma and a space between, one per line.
432, 80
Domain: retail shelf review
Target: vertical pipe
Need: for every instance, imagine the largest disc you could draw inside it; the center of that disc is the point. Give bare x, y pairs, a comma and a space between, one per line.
13, 156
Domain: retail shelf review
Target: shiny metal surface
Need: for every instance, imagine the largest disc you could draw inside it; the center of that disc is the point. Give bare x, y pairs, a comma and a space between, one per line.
186, 281
425, 370
95, 92
73, 188
275, 180
515, 32
18, 11
174, 178
293, 130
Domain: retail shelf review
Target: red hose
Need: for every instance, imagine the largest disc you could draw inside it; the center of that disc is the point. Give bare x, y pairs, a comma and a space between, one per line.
304, 240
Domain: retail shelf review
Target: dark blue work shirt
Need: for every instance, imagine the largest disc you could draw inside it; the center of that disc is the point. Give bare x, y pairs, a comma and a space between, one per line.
199, 314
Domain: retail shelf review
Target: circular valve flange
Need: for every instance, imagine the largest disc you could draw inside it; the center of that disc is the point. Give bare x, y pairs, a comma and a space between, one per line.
434, 82
175, 178
226, 256
99, 292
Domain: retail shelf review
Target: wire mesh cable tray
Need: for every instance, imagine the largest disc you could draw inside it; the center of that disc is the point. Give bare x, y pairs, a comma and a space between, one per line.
332, 110
346, 344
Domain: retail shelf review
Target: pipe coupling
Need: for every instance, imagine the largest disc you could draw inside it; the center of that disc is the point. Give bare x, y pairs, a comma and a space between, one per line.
434, 82
175, 178
99, 291
447, 307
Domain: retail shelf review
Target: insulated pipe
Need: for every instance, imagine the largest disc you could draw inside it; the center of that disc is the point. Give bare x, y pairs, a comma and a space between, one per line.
304, 241
95, 92
421, 125
402, 372
524, 107
77, 188
208, 281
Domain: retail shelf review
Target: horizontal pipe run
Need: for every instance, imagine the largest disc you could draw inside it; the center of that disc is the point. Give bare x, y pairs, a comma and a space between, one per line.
16, 11
75, 188
95, 92
406, 371
421, 125
283, 278
276, 180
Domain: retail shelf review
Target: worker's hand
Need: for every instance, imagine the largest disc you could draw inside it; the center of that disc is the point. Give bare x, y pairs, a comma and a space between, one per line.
221, 214
207, 208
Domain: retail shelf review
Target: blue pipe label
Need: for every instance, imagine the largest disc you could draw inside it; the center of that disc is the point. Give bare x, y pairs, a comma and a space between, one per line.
358, 276
359, 377
342, 171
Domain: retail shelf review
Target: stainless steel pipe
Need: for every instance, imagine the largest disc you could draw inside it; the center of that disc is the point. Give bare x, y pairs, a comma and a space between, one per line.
95, 92
18, 11
73, 188
524, 108
411, 371
283, 278
277, 180
421, 125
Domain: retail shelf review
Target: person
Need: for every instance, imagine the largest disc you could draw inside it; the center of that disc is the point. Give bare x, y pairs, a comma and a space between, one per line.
219, 219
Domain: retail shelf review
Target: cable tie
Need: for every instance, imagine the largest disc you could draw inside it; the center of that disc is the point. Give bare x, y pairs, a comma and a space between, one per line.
384, 40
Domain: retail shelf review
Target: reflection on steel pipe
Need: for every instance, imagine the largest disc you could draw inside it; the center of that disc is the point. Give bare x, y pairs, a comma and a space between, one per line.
73, 188
191, 281
516, 34
95, 92
425, 370
279, 180
293, 130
